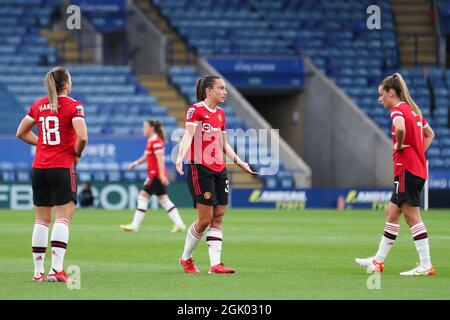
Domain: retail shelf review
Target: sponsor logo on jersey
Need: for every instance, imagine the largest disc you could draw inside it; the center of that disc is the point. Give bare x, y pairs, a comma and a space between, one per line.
206, 127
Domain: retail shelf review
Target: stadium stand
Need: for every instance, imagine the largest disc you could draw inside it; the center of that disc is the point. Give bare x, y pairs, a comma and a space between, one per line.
107, 92
334, 35
354, 59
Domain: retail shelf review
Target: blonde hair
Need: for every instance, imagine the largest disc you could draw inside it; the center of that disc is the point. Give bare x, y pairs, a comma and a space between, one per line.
398, 84
54, 82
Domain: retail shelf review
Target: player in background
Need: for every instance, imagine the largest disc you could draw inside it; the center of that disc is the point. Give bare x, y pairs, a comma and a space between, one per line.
62, 137
411, 136
205, 143
157, 181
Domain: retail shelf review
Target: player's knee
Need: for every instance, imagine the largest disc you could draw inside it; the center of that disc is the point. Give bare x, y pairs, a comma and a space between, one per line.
144, 194
218, 216
163, 198
45, 221
412, 221
142, 203
203, 224
392, 218
216, 224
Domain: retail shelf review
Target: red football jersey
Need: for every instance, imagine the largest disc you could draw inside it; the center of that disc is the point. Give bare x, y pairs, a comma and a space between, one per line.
411, 158
155, 145
56, 137
207, 145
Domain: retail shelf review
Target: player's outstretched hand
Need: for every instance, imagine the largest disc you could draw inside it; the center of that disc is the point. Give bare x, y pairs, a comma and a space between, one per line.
179, 167
132, 165
245, 166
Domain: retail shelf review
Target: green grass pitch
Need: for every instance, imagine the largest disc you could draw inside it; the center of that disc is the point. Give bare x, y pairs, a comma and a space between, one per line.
277, 255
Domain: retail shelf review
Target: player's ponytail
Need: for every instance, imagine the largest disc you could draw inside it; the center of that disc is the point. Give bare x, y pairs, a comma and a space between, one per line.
159, 129
202, 84
54, 82
405, 96
398, 84
50, 85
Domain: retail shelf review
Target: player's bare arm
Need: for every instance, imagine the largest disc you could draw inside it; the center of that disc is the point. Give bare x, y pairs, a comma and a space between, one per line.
82, 136
236, 159
24, 131
400, 132
139, 161
184, 147
161, 167
428, 136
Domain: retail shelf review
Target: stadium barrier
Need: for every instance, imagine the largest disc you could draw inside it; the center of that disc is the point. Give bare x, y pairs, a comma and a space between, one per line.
298, 199
123, 196
109, 196
315, 198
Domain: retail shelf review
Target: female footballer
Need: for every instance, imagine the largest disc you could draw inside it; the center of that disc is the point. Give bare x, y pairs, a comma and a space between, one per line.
205, 143
411, 137
62, 137
156, 182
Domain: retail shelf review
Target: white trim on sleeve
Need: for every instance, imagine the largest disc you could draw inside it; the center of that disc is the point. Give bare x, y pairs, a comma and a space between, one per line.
77, 118
29, 118
398, 117
192, 124
158, 151
426, 125
396, 112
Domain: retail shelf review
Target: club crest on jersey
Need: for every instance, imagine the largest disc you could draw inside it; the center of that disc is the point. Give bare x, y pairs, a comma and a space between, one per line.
189, 113
80, 110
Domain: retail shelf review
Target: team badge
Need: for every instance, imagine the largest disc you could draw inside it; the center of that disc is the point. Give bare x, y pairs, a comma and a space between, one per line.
80, 110
190, 113
207, 195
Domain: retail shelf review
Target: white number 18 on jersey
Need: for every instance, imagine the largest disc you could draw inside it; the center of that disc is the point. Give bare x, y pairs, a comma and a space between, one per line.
48, 130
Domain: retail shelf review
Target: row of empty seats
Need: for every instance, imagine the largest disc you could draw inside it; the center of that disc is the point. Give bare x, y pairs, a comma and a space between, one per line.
334, 34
